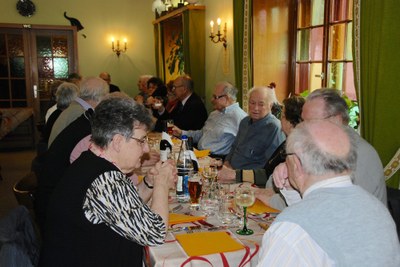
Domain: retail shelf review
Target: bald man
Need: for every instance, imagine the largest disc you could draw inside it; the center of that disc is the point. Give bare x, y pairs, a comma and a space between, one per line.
336, 223
107, 78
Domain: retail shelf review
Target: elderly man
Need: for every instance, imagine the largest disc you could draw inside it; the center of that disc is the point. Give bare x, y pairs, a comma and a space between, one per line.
92, 91
328, 104
190, 112
336, 223
141, 97
222, 125
107, 78
259, 134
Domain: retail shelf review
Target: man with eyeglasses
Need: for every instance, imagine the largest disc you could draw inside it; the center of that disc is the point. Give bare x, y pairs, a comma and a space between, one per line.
222, 124
327, 104
259, 134
336, 223
190, 112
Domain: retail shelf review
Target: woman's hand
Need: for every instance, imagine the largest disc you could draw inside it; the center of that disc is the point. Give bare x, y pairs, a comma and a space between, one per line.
151, 158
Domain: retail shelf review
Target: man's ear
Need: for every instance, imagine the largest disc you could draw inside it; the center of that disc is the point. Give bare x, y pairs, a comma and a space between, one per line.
298, 170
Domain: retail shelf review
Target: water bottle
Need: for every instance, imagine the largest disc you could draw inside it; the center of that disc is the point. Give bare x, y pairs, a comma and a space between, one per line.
185, 170
165, 150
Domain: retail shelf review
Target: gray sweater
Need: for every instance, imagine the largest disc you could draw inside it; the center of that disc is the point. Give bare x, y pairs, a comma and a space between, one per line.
349, 224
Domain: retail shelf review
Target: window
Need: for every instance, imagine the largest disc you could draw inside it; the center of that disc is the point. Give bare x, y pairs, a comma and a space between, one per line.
324, 46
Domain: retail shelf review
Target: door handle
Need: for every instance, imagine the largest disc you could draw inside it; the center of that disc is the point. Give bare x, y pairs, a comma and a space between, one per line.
322, 75
35, 91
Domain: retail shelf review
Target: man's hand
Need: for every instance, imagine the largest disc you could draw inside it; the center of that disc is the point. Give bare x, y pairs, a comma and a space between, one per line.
280, 176
264, 194
227, 174
176, 131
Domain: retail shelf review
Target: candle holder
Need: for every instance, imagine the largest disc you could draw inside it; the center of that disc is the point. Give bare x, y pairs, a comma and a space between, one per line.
219, 37
116, 49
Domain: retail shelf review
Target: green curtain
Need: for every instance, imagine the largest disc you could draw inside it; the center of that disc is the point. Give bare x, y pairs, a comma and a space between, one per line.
242, 48
379, 71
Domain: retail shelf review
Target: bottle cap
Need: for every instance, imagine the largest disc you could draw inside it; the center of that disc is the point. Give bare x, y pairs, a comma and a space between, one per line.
184, 137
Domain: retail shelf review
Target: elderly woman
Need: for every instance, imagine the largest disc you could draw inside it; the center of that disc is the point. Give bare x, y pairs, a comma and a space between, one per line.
97, 217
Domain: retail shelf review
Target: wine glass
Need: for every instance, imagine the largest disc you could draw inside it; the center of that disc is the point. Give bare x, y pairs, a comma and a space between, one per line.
217, 163
210, 173
244, 197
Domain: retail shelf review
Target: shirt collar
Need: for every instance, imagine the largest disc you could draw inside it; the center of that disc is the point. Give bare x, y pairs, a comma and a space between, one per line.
339, 181
230, 107
184, 100
83, 103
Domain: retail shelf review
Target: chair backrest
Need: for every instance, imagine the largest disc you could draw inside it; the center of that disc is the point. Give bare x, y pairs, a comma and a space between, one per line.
393, 166
393, 197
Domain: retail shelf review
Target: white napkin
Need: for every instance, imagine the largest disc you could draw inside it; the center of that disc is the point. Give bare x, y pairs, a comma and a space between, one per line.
165, 136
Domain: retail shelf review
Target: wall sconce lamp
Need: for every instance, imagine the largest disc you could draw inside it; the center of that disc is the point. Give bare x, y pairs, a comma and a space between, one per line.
219, 37
116, 49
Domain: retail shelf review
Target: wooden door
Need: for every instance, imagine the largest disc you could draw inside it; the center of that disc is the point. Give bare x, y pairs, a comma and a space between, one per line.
32, 57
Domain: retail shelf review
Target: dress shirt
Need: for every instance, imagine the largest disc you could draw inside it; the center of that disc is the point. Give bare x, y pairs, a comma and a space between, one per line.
288, 236
220, 130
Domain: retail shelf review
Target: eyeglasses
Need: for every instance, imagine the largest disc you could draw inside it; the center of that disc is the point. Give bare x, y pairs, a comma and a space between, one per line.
176, 86
217, 97
141, 141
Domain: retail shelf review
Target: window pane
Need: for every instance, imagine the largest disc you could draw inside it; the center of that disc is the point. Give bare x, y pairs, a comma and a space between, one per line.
45, 88
43, 44
336, 41
3, 67
4, 91
60, 47
302, 74
348, 84
17, 67
349, 41
341, 10
3, 45
18, 89
303, 37
15, 45
60, 68
45, 67
317, 39
303, 18
315, 76
335, 75
350, 9
318, 12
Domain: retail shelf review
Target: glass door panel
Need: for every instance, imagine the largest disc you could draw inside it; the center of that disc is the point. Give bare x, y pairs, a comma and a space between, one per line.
337, 42
318, 7
316, 44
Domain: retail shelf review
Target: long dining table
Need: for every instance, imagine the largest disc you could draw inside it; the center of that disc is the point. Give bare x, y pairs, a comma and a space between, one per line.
172, 253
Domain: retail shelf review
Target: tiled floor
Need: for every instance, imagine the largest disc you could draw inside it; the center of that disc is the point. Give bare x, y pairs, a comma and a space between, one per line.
14, 166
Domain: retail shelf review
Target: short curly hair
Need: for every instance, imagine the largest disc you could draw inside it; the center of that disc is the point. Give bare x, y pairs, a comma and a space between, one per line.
117, 114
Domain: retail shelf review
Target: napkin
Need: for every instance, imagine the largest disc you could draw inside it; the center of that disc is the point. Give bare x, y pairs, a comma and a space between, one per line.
165, 136
201, 153
204, 243
259, 208
175, 218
